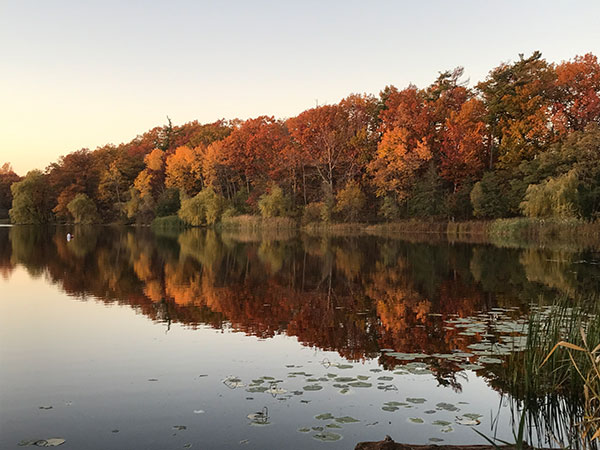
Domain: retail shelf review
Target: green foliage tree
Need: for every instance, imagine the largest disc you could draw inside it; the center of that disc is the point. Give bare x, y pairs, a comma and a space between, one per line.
487, 197
137, 208
350, 201
555, 197
31, 199
389, 209
274, 203
205, 208
168, 203
83, 209
426, 199
458, 205
7, 178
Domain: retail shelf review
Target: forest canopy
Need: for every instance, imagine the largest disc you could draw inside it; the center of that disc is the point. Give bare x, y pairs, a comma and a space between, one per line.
524, 141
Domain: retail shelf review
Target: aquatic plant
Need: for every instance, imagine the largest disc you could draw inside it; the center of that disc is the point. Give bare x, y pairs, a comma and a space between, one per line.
558, 390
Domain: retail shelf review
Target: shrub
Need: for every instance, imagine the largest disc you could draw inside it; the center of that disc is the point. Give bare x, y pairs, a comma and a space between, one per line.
350, 201
273, 203
312, 213
555, 197
168, 223
83, 209
203, 209
168, 203
389, 208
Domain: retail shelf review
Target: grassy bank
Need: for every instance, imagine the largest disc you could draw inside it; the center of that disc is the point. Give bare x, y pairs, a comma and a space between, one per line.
168, 223
516, 232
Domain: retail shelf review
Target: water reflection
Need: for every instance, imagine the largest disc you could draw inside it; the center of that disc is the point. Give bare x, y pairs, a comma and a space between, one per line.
352, 295
365, 298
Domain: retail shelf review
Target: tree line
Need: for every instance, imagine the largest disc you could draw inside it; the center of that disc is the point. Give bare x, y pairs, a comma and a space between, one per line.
525, 141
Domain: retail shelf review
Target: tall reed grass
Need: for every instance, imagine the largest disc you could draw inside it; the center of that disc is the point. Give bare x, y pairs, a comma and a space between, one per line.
556, 378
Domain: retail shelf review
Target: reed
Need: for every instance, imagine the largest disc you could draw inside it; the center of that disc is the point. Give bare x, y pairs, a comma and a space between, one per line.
556, 379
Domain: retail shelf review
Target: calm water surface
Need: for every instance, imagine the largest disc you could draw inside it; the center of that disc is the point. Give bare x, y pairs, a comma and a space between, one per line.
124, 338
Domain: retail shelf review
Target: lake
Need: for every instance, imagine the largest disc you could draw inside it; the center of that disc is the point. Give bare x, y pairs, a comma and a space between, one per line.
127, 338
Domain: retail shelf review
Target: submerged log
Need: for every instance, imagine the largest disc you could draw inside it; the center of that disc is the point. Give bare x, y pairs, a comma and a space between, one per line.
389, 444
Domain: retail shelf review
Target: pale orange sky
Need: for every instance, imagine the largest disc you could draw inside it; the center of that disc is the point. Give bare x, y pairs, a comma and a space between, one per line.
84, 74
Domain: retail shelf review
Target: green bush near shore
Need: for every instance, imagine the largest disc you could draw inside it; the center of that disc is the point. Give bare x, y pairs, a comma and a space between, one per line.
168, 223
248, 222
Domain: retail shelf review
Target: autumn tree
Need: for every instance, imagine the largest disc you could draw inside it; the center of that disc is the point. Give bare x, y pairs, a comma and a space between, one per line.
518, 97
578, 94
147, 187
253, 150
184, 170
463, 144
399, 158
73, 174
327, 142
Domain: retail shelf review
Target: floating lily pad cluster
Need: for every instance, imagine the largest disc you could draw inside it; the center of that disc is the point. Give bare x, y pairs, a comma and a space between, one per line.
323, 432
494, 335
445, 426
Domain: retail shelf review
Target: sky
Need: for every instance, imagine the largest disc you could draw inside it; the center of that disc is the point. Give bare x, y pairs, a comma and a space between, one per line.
82, 74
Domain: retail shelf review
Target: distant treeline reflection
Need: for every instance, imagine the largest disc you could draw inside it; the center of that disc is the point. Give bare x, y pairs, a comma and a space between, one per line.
352, 295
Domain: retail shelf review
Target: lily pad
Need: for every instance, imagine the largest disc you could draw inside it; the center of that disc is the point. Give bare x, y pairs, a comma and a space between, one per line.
332, 425
346, 419
488, 360
447, 406
327, 436
313, 387
385, 378
324, 416
257, 389
441, 423
50, 442
344, 379
179, 427
303, 430
416, 401
434, 439
416, 420
344, 366
360, 384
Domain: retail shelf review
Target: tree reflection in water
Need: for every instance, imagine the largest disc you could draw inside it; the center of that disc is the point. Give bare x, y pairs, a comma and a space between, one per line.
352, 295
